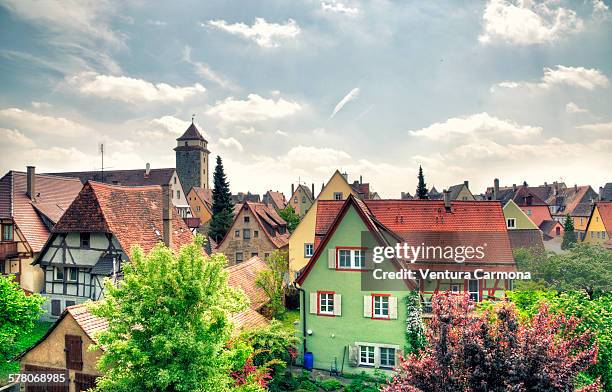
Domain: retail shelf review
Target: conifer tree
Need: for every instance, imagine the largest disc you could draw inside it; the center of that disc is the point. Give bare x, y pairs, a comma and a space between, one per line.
222, 209
569, 235
421, 191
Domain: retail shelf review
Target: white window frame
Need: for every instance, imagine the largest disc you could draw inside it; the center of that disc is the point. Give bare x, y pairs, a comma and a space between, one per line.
67, 272
377, 354
381, 299
391, 357
511, 220
367, 355
353, 257
338, 196
308, 249
56, 270
328, 297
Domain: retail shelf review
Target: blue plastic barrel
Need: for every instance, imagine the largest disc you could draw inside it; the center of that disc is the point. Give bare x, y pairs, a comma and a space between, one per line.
308, 360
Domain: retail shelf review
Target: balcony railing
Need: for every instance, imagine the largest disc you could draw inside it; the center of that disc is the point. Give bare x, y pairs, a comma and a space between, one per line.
8, 250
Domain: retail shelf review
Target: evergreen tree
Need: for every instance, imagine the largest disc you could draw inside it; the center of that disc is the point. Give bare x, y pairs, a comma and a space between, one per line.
421, 191
222, 209
569, 235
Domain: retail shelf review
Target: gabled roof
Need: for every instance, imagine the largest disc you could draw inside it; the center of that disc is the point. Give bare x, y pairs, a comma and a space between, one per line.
277, 199
305, 190
132, 177
53, 196
204, 194
606, 192
605, 211
244, 275
191, 133
265, 217
575, 200
522, 196
89, 323
547, 226
526, 238
132, 214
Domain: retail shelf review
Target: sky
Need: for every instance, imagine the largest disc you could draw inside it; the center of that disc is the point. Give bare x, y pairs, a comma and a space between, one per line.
291, 91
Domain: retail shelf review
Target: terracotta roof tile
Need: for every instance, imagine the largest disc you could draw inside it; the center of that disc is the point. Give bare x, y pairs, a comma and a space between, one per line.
605, 211
263, 213
132, 177
89, 323
249, 319
53, 196
243, 275
132, 214
205, 194
277, 199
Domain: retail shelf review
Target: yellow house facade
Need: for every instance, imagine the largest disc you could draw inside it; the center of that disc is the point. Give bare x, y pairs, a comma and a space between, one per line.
200, 202
599, 226
516, 219
301, 242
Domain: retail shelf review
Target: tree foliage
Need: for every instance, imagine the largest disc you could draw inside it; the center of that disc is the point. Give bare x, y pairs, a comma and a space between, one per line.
272, 280
222, 208
415, 332
492, 352
421, 190
595, 316
583, 267
569, 235
169, 323
18, 314
290, 216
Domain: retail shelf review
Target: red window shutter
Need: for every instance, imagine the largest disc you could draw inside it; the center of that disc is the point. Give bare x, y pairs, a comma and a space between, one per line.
74, 352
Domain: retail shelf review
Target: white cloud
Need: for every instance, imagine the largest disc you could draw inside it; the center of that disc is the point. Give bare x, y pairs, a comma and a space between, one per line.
205, 70
600, 9
527, 22
574, 109
131, 90
578, 77
475, 126
352, 95
319, 131
157, 23
597, 127
39, 105
12, 137
231, 142
281, 133
40, 124
339, 8
265, 34
248, 131
170, 124
254, 108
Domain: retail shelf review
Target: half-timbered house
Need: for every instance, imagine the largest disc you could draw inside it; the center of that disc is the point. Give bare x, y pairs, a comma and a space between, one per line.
95, 237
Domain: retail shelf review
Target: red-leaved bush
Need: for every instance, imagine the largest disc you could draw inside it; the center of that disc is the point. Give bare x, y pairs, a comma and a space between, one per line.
492, 352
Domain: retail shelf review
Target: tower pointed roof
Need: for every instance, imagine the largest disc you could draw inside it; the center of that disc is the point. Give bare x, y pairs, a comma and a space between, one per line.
191, 133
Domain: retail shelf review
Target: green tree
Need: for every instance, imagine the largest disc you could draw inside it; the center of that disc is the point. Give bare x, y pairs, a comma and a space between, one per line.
289, 215
421, 190
272, 280
18, 314
222, 209
415, 332
169, 323
569, 235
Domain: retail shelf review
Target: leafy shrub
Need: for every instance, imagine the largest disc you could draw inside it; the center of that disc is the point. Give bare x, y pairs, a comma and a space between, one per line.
331, 385
308, 385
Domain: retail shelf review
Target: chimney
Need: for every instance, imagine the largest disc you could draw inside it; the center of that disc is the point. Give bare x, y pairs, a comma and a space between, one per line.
167, 214
556, 187
361, 179
31, 183
147, 169
467, 184
601, 193
312, 190
447, 200
496, 189
575, 187
514, 187
345, 175
292, 189
545, 184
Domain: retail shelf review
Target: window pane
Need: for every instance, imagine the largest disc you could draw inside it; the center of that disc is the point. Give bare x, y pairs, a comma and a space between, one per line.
73, 273
381, 306
345, 258
326, 303
366, 355
387, 357
359, 258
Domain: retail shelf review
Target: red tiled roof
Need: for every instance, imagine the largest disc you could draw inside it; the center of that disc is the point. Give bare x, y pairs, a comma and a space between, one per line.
89, 323
605, 211
263, 213
53, 196
191, 133
243, 275
205, 194
132, 214
326, 213
249, 319
277, 199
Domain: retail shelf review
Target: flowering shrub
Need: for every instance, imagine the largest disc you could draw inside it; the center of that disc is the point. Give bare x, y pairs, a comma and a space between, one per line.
472, 352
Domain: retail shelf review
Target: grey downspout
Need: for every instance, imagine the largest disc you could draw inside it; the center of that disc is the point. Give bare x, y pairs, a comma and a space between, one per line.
303, 309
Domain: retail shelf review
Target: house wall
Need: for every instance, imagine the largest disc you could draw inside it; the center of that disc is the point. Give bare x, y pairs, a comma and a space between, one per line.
29, 277
232, 244
300, 202
511, 210
179, 196
50, 352
331, 335
596, 231
465, 194
305, 232
537, 214
198, 207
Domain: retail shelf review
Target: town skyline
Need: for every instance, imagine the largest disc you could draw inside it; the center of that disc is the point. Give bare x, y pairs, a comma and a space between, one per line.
286, 93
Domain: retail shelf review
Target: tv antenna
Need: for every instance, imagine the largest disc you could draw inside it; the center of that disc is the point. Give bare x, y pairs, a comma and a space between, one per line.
192, 118
102, 155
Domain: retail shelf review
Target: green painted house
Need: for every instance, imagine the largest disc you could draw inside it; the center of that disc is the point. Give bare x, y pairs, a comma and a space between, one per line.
353, 322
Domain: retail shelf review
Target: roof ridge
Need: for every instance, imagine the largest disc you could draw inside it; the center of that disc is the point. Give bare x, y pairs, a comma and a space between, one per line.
124, 187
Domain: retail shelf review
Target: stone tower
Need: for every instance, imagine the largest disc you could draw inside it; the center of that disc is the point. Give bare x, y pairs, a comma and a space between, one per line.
192, 159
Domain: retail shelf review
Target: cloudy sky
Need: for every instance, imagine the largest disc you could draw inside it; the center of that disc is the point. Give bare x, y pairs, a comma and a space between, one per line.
293, 90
